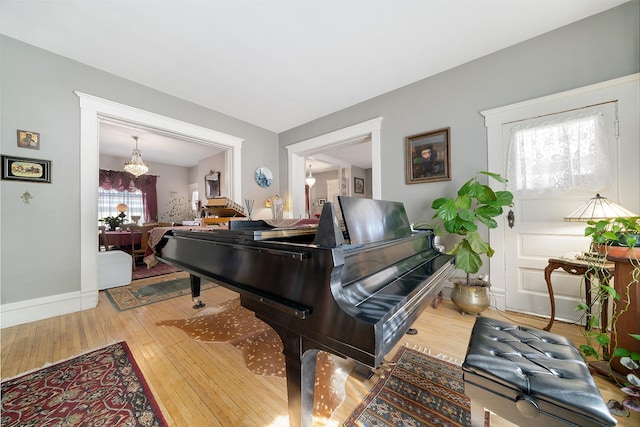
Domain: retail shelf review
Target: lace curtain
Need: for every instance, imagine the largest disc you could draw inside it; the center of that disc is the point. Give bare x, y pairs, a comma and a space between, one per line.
564, 154
124, 181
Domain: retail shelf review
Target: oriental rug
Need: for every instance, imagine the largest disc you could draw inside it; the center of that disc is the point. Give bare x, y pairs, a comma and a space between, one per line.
420, 390
103, 387
142, 272
262, 348
149, 291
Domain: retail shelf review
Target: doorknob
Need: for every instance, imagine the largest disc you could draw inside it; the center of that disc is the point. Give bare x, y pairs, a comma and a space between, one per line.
510, 218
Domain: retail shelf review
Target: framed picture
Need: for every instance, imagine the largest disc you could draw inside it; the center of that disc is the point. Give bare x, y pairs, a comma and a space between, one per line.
27, 139
358, 185
23, 169
428, 157
321, 202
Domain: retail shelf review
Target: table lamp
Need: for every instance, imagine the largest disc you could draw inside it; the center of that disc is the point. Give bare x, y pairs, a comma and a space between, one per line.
122, 208
598, 208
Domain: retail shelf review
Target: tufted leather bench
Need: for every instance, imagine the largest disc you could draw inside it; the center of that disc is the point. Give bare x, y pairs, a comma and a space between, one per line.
530, 377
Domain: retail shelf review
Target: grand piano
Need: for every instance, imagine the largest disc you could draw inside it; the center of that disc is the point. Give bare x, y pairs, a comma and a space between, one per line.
352, 285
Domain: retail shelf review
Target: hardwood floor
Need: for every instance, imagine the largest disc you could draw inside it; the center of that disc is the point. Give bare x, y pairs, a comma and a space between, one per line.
206, 384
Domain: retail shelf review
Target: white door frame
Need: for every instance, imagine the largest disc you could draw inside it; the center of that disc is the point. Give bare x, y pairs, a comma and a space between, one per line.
92, 108
298, 151
626, 90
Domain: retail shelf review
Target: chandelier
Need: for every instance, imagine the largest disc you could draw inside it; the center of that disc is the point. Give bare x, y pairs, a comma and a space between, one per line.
136, 166
310, 180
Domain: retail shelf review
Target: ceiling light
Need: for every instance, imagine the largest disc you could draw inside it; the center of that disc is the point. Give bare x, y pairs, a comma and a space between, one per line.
136, 166
310, 180
598, 208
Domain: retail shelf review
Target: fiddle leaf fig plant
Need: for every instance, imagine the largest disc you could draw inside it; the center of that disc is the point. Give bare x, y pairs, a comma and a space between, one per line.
474, 204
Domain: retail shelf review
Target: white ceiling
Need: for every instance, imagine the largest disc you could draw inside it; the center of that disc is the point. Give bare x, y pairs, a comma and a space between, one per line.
280, 64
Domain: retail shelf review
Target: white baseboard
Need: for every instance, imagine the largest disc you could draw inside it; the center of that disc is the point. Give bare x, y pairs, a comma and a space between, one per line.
18, 313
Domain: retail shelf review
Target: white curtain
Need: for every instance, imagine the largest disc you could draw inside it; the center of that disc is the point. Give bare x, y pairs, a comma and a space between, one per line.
108, 201
564, 154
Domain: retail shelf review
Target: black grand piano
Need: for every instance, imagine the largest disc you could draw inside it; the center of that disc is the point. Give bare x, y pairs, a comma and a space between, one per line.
352, 287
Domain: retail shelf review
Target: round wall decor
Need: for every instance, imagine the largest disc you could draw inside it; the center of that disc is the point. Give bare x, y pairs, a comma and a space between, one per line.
264, 177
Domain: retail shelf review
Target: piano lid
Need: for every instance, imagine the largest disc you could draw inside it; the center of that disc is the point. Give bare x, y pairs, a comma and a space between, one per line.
369, 220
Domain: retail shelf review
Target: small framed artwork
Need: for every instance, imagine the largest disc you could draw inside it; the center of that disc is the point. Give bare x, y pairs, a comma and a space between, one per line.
358, 185
321, 202
27, 139
23, 169
428, 157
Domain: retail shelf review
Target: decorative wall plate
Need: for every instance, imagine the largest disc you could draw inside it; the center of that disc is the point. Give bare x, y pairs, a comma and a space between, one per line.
264, 177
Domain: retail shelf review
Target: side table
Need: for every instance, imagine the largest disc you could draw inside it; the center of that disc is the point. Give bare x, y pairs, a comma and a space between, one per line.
582, 268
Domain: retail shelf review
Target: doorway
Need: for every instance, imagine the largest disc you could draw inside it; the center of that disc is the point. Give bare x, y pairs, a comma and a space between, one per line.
539, 232
92, 110
297, 152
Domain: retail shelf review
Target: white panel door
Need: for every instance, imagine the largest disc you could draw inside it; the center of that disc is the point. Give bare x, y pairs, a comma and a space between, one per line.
539, 232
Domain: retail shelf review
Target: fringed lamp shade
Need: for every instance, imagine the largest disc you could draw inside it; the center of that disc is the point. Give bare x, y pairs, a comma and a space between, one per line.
598, 208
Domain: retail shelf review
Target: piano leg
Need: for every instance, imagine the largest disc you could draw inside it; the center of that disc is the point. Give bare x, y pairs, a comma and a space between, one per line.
300, 413
195, 291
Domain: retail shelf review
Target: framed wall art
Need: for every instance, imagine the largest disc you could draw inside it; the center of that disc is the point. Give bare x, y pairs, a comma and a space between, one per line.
428, 157
24, 169
358, 185
27, 139
322, 202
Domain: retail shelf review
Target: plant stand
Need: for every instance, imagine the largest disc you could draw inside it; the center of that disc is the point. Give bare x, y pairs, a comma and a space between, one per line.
628, 320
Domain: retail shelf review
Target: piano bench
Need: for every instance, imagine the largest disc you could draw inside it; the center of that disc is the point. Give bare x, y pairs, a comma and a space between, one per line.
529, 377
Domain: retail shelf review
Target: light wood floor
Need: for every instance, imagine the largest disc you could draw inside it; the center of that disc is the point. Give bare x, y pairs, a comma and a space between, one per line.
206, 384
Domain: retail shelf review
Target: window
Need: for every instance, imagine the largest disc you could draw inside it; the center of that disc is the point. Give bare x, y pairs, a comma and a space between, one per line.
109, 199
195, 197
563, 154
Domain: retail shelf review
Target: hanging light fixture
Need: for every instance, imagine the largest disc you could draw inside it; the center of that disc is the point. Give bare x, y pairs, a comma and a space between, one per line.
136, 166
598, 208
310, 180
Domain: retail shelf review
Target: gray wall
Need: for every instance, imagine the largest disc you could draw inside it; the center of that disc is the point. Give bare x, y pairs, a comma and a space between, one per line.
40, 241
596, 49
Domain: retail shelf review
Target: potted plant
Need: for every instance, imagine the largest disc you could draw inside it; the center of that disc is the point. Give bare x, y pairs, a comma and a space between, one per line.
616, 238
474, 204
113, 221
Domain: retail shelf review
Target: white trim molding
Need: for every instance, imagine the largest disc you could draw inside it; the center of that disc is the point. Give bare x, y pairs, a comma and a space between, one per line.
43, 308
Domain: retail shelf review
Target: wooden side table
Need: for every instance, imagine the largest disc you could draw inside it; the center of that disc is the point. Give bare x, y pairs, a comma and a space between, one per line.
581, 268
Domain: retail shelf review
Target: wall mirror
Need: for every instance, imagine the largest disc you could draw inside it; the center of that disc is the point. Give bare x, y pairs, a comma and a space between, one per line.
212, 184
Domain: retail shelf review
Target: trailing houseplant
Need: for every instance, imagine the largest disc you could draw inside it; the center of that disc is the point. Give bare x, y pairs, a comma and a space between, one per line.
475, 204
614, 236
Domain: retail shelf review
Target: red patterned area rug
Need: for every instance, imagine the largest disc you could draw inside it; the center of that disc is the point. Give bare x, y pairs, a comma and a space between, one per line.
101, 388
419, 391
